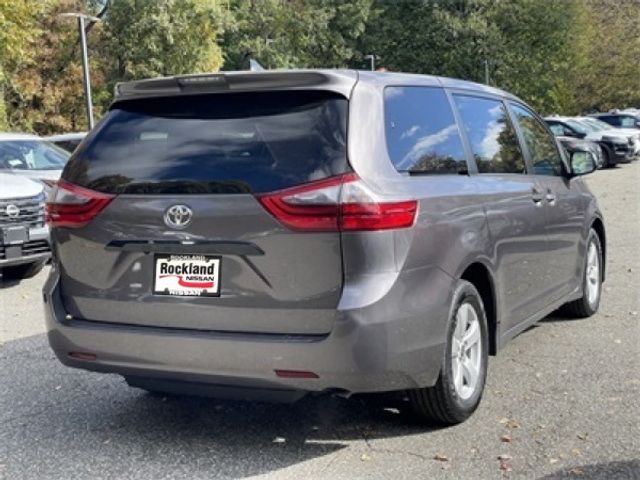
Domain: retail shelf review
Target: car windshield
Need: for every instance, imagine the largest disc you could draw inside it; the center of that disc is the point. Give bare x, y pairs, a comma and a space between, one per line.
599, 124
580, 127
31, 155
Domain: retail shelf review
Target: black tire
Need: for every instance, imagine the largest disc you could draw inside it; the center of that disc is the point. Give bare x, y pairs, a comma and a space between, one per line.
27, 270
441, 403
607, 157
582, 308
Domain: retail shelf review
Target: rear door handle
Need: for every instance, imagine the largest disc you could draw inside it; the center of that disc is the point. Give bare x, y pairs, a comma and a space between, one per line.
536, 196
550, 197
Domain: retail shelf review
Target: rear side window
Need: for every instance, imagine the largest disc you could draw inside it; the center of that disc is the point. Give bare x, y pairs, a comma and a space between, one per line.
421, 131
225, 143
493, 139
627, 122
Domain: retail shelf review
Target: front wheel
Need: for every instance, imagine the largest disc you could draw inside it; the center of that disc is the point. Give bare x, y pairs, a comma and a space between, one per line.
458, 390
589, 303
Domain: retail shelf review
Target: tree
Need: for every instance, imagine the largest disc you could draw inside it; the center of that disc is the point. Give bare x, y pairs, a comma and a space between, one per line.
19, 25
608, 73
537, 50
148, 38
449, 38
295, 33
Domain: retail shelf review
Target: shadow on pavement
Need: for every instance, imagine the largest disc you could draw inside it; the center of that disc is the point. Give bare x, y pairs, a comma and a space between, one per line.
628, 470
9, 282
52, 416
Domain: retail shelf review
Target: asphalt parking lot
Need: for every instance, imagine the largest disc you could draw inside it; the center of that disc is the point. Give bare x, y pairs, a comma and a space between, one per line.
562, 401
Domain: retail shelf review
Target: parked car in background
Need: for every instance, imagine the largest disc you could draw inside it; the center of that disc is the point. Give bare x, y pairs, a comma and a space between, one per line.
67, 141
620, 119
633, 134
24, 237
572, 144
616, 146
32, 157
253, 248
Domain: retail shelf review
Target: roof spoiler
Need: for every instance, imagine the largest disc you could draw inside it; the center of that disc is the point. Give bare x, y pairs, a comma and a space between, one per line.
338, 81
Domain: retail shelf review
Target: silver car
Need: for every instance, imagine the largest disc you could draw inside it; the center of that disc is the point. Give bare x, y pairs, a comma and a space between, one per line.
24, 237
273, 234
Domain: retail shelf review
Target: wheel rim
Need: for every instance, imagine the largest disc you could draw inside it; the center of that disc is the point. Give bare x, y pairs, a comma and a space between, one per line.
466, 351
592, 274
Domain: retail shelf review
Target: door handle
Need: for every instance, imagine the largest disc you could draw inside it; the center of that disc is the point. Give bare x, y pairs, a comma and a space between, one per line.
550, 197
536, 196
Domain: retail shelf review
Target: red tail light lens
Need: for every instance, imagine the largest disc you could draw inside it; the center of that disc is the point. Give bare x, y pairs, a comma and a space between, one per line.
378, 216
340, 203
72, 206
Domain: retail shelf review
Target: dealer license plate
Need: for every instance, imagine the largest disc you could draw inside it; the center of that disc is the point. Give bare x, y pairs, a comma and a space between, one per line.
187, 275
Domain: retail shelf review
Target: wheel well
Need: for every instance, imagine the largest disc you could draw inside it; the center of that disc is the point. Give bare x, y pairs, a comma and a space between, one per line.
598, 226
479, 276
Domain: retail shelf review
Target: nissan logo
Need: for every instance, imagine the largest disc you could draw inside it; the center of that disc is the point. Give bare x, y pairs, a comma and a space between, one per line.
178, 216
12, 211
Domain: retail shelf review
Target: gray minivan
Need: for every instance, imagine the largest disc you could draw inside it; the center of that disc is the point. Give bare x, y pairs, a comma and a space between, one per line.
281, 233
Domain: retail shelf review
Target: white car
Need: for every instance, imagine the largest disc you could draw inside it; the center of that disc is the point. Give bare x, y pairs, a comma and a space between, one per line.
32, 157
24, 236
618, 146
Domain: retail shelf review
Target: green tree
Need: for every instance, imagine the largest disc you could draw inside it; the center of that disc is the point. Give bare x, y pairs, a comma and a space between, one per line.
448, 37
607, 40
537, 50
148, 38
295, 33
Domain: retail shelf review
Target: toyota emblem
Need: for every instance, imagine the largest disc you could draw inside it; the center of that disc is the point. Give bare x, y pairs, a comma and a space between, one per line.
12, 211
178, 216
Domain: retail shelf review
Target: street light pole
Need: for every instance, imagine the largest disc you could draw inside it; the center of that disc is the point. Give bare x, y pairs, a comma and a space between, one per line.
85, 71
372, 61
82, 18
486, 71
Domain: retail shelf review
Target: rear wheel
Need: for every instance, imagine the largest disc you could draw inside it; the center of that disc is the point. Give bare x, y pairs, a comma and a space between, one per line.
589, 303
458, 390
27, 270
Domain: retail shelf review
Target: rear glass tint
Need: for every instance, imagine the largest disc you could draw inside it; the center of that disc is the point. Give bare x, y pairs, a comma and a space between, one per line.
421, 132
224, 143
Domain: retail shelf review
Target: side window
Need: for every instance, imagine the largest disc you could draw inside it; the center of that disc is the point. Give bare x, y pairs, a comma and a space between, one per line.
542, 146
421, 131
493, 139
627, 122
556, 128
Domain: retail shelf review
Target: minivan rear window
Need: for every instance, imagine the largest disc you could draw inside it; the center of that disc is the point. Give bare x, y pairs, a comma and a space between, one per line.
216, 143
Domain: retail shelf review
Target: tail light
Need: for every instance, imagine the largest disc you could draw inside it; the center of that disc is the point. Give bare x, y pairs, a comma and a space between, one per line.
341, 203
72, 206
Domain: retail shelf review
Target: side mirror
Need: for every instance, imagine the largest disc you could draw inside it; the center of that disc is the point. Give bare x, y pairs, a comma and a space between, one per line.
582, 163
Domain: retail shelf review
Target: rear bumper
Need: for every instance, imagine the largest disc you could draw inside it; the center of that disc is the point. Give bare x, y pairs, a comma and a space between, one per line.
377, 348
